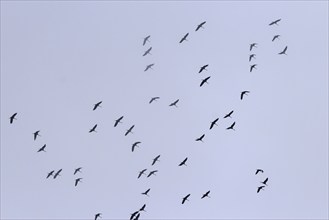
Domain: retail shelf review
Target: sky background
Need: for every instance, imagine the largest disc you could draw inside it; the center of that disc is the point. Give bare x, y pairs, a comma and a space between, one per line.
60, 58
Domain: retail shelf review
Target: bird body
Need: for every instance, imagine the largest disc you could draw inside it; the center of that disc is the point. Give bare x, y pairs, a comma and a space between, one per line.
143, 208
274, 22
206, 195
200, 138
203, 68
183, 162
135, 145
200, 26
213, 123
93, 129
229, 114
12, 118
149, 67
284, 51
146, 192
129, 130
148, 51
204, 81
174, 103
77, 170
42, 148
118, 121
184, 38
146, 39
98, 104
231, 127
243, 93
185, 198
77, 181
153, 99
155, 160
260, 188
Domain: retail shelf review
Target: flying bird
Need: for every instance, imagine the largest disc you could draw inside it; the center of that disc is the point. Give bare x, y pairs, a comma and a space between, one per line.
183, 162
143, 208
204, 67
12, 118
284, 51
174, 103
50, 173
213, 123
276, 37
204, 81
252, 56
228, 115
146, 39
152, 173
252, 67
147, 51
231, 127
265, 181
141, 173
244, 93
252, 46
129, 130
98, 215
57, 173
133, 215
200, 138
98, 104
77, 181
206, 195
260, 188
259, 170
146, 192
186, 198
149, 67
274, 22
36, 134
153, 99
42, 148
118, 121
184, 38
200, 26
135, 145
77, 170
93, 129
155, 159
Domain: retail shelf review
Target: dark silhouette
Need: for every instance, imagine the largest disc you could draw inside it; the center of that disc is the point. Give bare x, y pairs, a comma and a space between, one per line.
36, 134
57, 173
231, 127
186, 198
229, 114
42, 148
203, 68
98, 215
260, 188
206, 195
146, 39
77, 170
274, 22
137, 216
93, 129
252, 56
200, 26
200, 138
155, 159
183, 162
174, 103
244, 93
204, 81
184, 38
147, 51
284, 51
213, 123
50, 173
146, 192
143, 208
141, 173
135, 145
265, 181
133, 215
98, 104
129, 130
259, 170
153, 99
77, 181
276, 37
149, 67
12, 118
252, 46
253, 67
152, 173
118, 121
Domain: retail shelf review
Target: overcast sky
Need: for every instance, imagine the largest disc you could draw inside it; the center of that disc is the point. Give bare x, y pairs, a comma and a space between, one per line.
60, 58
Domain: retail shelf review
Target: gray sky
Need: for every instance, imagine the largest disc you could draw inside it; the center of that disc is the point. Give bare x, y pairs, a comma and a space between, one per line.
60, 58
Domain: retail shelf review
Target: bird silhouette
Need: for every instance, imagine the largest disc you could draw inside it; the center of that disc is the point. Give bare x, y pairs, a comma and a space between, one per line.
204, 81
77, 170
183, 162
152, 173
42, 148
206, 195
252, 46
275, 37
93, 129
148, 51
174, 103
229, 114
98, 104
185, 198
260, 188
77, 181
231, 127
98, 215
274, 22
146, 192
129, 130
118, 121
143, 208
133, 215
213, 123
203, 68
259, 170
200, 138
153, 99
146, 39
57, 173
265, 181
149, 67
184, 38
50, 173
141, 173
284, 51
137, 216
135, 145
253, 67
244, 93
12, 118
200, 26
252, 56
155, 159
36, 134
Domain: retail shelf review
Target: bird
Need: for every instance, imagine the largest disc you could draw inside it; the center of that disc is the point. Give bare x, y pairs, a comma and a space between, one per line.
206, 195
204, 81
186, 198
203, 68
12, 118
77, 181
36, 134
146, 192
252, 56
98, 215
152, 173
42, 148
276, 37
174, 103
98, 104
244, 93
284, 51
259, 170
57, 173
200, 138
146, 39
143, 208
147, 51
118, 121
252, 67
274, 22
149, 67
229, 114
129, 130
141, 173
200, 26
252, 46
265, 181
155, 159
133, 215
213, 123
259, 188
231, 127
77, 170
93, 129
50, 173
153, 99
183, 162
135, 145
184, 38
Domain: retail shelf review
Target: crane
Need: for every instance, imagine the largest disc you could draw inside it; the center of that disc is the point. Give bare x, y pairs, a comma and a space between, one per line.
146, 192
252, 46
284, 51
259, 170
143, 208
185, 198
204, 81
141, 173
77, 181
206, 195
260, 188
12, 118
253, 67
203, 68
129, 130
252, 56
153, 99
174, 103
93, 129
57, 173
275, 37
184, 38
118, 121
98, 215
274, 22
183, 162
213, 123
42, 148
152, 173
50, 174
244, 93
200, 138
229, 114
98, 104
149, 67
231, 127
77, 170
148, 51
146, 39
200, 26
36, 134
155, 159
265, 181
135, 145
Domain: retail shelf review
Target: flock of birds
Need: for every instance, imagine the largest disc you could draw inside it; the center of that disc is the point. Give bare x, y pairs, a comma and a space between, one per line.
136, 214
